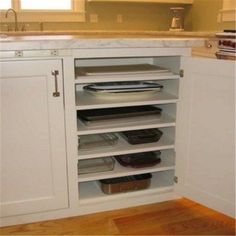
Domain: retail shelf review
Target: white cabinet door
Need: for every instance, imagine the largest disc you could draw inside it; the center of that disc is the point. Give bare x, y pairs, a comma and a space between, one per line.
206, 133
32, 138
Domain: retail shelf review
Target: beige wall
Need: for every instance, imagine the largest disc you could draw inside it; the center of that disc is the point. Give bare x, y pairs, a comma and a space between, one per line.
142, 16
201, 16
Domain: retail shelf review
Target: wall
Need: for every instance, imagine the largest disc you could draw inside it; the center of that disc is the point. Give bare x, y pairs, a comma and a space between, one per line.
142, 16
136, 16
201, 16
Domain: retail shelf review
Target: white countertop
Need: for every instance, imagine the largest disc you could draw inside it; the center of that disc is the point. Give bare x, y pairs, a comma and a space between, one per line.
98, 40
114, 32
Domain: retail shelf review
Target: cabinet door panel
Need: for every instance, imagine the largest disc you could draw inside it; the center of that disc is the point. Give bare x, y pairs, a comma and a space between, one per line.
206, 133
33, 157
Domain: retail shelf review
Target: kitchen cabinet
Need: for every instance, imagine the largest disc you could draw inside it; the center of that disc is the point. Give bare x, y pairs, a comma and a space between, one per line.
33, 154
162, 182
197, 146
199, 138
206, 133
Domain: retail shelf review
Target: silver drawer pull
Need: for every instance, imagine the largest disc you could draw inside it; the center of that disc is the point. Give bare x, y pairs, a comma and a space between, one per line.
55, 73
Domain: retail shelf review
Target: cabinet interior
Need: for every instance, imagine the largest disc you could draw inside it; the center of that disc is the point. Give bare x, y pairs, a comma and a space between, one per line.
162, 174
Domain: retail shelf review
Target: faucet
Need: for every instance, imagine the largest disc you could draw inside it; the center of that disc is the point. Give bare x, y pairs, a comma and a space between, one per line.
15, 16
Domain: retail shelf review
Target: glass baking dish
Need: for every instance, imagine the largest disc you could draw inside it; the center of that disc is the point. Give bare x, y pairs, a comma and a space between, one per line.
142, 136
87, 142
139, 160
96, 165
125, 184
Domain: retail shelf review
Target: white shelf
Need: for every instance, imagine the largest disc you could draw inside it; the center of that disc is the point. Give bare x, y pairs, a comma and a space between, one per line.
85, 101
124, 147
120, 78
161, 182
163, 121
167, 163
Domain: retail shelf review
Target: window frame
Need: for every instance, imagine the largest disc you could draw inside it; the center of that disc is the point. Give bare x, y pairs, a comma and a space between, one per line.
77, 14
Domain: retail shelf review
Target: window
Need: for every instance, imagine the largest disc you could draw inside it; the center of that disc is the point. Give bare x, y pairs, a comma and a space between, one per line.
46, 10
5, 4
46, 5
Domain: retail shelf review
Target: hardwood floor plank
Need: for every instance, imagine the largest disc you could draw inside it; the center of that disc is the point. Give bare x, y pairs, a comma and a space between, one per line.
179, 217
157, 219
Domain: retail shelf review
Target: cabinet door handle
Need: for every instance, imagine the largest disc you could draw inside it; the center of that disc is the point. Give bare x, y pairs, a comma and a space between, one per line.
55, 73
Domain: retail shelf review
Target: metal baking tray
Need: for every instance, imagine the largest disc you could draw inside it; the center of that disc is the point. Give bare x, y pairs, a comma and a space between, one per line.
122, 87
117, 113
119, 69
139, 160
125, 184
94, 141
95, 165
109, 123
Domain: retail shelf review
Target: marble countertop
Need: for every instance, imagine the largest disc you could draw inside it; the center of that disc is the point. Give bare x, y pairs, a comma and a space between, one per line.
114, 32
100, 39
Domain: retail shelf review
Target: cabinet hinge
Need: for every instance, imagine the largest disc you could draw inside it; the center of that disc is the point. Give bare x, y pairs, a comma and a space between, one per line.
78, 142
54, 53
181, 73
19, 54
176, 179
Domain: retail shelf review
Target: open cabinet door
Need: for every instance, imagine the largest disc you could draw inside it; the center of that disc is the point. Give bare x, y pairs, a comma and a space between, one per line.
205, 136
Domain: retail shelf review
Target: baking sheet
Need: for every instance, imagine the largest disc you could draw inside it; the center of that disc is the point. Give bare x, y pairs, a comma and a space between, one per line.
119, 70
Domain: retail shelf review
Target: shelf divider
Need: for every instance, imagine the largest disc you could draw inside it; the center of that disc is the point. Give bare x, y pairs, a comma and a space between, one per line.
167, 163
163, 121
123, 147
161, 182
121, 78
85, 101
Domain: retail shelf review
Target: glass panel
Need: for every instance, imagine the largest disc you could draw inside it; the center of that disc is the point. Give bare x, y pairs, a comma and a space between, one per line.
5, 4
46, 4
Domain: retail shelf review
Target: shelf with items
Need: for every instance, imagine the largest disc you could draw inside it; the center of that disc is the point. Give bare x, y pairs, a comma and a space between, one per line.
104, 87
123, 147
164, 121
167, 163
161, 182
120, 69
149, 95
85, 101
108, 69
121, 78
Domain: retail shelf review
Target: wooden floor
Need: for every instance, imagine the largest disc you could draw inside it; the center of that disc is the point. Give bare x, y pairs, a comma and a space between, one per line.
180, 217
